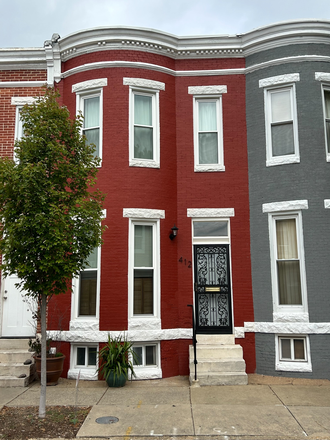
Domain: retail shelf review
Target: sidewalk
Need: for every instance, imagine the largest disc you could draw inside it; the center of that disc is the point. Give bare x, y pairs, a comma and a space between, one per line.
267, 408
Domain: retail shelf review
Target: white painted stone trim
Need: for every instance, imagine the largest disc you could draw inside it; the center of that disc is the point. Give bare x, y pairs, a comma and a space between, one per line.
288, 328
22, 100
144, 163
143, 373
81, 325
239, 332
144, 324
327, 203
208, 168
90, 84
83, 373
290, 317
279, 79
143, 213
210, 212
8, 84
284, 206
322, 76
282, 160
207, 90
149, 335
145, 83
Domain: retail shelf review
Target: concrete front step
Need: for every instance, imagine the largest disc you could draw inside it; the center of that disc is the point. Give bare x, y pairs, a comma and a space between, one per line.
14, 344
215, 339
216, 352
221, 379
11, 381
16, 369
219, 365
15, 356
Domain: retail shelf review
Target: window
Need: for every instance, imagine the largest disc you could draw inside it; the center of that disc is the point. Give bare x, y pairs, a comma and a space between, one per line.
293, 353
90, 104
144, 137
88, 287
281, 126
146, 355
86, 357
19, 102
326, 94
144, 268
288, 268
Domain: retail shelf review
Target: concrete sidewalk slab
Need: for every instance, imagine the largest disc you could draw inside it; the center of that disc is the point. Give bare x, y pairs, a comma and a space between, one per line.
8, 394
299, 395
234, 395
314, 420
59, 396
245, 420
144, 420
148, 395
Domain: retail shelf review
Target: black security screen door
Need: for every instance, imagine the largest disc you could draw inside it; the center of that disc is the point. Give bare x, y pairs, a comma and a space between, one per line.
212, 289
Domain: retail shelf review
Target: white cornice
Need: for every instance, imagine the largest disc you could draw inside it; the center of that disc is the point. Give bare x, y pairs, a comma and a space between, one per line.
30, 58
9, 84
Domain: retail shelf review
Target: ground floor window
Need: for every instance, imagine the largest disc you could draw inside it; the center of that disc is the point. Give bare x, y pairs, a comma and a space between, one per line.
86, 357
293, 353
146, 355
292, 349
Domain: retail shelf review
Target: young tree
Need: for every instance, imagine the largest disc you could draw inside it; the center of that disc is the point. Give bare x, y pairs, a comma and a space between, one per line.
50, 217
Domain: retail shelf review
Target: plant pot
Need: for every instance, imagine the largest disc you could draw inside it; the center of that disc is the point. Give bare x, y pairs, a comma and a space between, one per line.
116, 381
54, 368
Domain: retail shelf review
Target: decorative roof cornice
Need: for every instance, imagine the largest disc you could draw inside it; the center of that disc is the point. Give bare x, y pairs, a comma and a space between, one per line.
30, 58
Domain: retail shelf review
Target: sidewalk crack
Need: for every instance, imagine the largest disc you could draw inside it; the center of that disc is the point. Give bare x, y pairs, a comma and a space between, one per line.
192, 414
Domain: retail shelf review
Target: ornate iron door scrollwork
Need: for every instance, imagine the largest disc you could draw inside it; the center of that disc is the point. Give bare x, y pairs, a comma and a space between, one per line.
212, 289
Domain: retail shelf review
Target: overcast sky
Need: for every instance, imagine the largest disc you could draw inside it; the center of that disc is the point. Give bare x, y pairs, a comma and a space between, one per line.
28, 23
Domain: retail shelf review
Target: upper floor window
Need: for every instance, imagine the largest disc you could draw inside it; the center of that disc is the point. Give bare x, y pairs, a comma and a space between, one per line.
326, 96
282, 145
144, 132
90, 104
208, 133
19, 102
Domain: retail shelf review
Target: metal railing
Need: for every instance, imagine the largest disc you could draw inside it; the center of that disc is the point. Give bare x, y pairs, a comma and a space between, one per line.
194, 338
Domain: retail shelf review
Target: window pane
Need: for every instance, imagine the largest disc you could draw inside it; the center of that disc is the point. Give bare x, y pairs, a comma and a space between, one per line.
207, 112
286, 239
281, 106
327, 103
210, 229
92, 259
150, 355
81, 355
289, 286
143, 143
93, 137
286, 348
143, 292
139, 359
87, 294
92, 355
208, 148
143, 256
299, 349
142, 110
282, 139
92, 112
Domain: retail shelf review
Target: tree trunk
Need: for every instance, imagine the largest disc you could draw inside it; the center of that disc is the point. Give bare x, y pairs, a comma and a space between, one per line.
43, 380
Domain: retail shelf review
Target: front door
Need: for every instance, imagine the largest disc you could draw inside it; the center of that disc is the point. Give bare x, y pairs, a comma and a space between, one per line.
212, 289
17, 320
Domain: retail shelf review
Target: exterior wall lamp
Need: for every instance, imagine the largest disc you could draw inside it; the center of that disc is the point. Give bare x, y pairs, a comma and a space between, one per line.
174, 232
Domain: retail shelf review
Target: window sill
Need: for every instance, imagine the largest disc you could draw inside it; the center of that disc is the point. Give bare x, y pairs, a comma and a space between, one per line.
147, 373
282, 160
144, 323
84, 373
143, 163
301, 367
290, 316
209, 168
84, 324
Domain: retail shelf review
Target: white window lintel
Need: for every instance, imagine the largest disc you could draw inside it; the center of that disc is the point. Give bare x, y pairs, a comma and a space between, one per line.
143, 213
144, 83
284, 206
322, 76
210, 212
279, 79
22, 100
207, 90
90, 84
327, 203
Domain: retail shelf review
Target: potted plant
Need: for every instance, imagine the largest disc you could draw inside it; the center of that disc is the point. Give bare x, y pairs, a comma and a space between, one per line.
116, 360
54, 361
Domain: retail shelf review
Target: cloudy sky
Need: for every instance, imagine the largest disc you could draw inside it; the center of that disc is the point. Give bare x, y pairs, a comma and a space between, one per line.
28, 23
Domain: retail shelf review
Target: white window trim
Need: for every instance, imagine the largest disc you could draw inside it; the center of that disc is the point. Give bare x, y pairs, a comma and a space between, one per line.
213, 93
279, 80
211, 240
89, 89
327, 147
210, 212
149, 371
285, 159
327, 203
83, 372
85, 321
287, 309
138, 321
285, 206
150, 88
302, 366
19, 102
